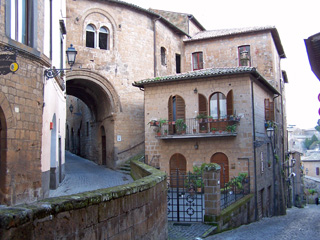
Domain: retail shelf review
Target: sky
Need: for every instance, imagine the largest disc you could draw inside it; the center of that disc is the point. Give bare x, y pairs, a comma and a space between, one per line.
295, 21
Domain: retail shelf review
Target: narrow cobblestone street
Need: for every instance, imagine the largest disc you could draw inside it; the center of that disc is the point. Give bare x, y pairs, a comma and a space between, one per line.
83, 175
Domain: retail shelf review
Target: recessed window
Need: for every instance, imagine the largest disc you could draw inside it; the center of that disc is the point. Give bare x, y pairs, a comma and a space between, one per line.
317, 171
197, 60
244, 56
90, 36
21, 21
103, 38
163, 56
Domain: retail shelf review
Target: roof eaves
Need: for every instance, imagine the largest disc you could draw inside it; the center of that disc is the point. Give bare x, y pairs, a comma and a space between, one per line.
153, 14
206, 73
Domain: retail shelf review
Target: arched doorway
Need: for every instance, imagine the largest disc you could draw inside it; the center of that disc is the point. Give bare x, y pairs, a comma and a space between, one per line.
103, 146
3, 163
178, 169
222, 160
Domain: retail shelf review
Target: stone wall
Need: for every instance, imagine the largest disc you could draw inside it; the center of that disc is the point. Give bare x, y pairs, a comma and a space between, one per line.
134, 211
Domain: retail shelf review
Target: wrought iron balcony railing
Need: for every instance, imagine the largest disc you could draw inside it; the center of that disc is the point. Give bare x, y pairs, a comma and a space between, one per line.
195, 128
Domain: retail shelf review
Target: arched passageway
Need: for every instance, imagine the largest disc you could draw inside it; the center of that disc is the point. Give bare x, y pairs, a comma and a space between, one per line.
3, 154
91, 103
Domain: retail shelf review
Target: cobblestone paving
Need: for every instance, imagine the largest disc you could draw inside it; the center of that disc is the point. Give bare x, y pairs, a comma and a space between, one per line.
83, 175
299, 223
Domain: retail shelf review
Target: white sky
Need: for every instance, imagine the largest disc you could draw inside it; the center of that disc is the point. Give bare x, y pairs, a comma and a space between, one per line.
295, 21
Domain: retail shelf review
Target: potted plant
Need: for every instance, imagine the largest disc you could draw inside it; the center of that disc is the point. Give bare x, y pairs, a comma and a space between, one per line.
231, 128
201, 117
194, 131
180, 126
210, 118
203, 129
213, 130
165, 132
158, 131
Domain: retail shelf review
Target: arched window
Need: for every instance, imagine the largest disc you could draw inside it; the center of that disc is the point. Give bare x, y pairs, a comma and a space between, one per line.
218, 106
163, 56
90, 36
104, 38
244, 56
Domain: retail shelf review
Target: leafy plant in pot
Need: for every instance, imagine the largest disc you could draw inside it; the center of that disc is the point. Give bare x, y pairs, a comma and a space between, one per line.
201, 117
180, 126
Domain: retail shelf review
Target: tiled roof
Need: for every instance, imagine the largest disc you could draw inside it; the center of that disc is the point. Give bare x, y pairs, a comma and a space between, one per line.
205, 73
236, 31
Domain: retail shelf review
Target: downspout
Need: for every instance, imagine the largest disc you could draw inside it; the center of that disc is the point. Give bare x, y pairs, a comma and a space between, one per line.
155, 46
51, 29
254, 154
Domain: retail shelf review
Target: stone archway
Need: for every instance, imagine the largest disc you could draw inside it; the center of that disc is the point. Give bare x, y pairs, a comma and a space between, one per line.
98, 107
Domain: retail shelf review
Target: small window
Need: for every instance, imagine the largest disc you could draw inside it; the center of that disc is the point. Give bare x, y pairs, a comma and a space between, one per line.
103, 38
197, 60
262, 162
163, 56
268, 110
90, 36
178, 63
244, 56
317, 171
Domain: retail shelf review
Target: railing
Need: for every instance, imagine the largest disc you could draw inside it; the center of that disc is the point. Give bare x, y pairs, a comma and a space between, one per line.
194, 126
233, 191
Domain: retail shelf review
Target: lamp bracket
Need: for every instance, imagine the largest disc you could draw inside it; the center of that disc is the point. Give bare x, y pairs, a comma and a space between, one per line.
52, 73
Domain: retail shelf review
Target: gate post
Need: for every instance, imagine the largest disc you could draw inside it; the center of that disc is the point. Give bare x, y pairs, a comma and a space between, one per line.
211, 179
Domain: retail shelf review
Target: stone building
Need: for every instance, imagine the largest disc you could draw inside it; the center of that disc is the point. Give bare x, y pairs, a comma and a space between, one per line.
234, 77
21, 101
117, 43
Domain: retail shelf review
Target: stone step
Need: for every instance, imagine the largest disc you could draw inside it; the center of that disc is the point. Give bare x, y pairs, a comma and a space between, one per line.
209, 232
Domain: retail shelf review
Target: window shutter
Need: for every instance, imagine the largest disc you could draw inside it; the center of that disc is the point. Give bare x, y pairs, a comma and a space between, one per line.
230, 103
202, 104
180, 108
268, 110
170, 114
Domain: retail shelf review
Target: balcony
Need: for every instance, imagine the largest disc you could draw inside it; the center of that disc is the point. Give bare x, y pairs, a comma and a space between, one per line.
195, 128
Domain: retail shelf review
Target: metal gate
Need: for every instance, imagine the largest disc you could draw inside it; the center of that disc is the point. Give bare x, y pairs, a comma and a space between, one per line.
185, 197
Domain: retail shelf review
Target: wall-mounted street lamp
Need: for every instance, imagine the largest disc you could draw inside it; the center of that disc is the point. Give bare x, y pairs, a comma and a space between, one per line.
270, 132
71, 56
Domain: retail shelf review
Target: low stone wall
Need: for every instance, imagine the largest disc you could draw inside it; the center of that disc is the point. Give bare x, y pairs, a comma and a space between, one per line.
133, 211
237, 214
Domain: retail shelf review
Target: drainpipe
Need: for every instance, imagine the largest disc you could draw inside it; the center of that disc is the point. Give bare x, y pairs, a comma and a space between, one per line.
155, 46
51, 29
254, 154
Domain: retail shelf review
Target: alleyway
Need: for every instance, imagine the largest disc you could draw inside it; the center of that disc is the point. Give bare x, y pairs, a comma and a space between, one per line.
83, 175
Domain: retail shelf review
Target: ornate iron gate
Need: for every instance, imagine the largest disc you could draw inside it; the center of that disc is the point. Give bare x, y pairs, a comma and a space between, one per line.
185, 197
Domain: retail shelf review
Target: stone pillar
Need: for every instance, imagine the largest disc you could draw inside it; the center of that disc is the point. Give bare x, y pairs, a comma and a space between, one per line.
211, 179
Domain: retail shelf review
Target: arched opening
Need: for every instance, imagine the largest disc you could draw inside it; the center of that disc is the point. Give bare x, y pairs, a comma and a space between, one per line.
222, 160
67, 147
3, 154
178, 169
94, 102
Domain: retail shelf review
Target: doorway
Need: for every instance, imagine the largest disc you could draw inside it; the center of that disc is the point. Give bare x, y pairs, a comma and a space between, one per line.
222, 160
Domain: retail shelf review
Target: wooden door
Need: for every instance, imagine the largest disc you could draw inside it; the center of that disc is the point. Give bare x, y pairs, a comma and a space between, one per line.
178, 169
222, 160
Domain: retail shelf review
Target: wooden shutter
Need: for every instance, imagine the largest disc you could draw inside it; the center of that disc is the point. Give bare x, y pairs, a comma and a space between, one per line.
230, 103
222, 160
180, 108
202, 104
170, 114
269, 110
